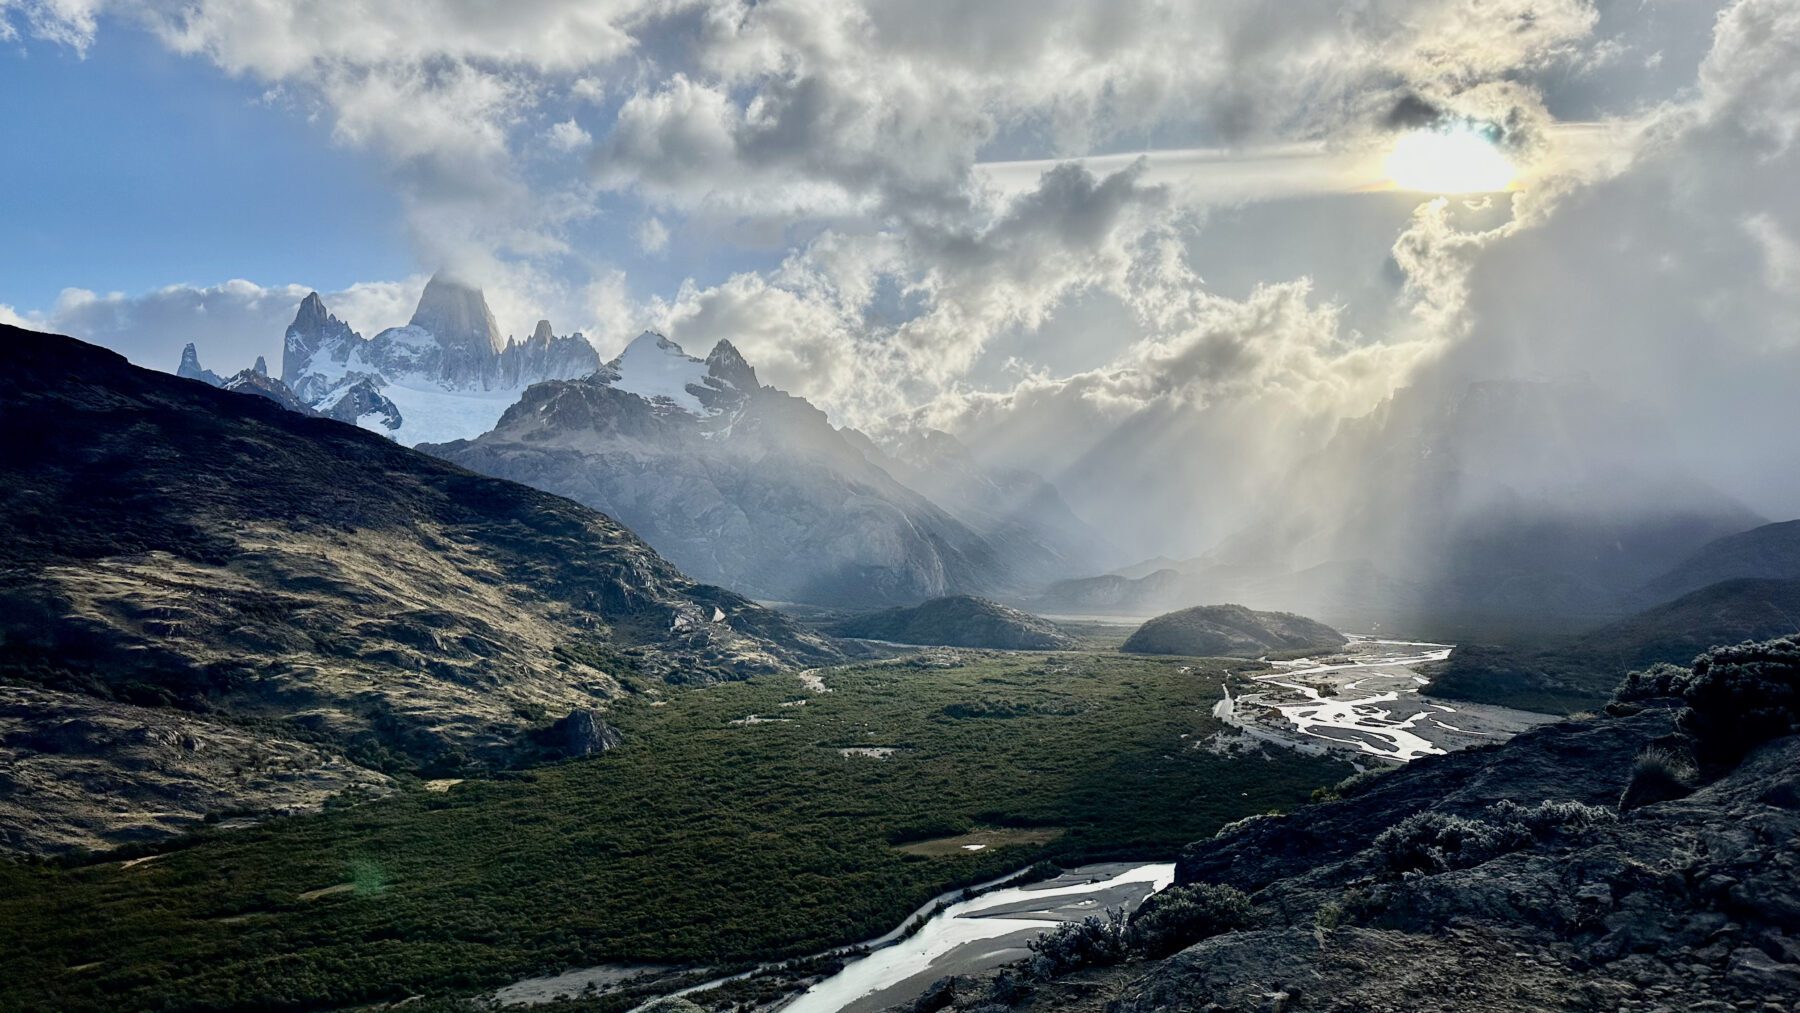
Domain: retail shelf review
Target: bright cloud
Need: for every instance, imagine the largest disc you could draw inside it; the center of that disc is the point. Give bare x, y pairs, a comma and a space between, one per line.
909, 207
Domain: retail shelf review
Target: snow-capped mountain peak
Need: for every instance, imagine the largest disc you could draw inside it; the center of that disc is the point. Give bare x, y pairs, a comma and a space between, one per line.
655, 368
446, 374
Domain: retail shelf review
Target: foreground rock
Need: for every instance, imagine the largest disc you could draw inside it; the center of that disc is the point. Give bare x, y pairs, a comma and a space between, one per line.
214, 556
958, 621
1509, 879
1226, 631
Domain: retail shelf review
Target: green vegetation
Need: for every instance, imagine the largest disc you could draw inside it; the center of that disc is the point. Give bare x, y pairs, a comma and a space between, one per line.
1181, 916
699, 840
1657, 775
1435, 841
1736, 697
1167, 922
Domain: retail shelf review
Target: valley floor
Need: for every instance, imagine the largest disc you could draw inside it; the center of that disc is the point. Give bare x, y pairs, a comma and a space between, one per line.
770, 818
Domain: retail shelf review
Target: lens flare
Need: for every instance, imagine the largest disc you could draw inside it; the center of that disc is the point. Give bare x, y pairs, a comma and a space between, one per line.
1453, 161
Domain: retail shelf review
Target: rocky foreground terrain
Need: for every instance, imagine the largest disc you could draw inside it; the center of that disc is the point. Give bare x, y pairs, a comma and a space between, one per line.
1645, 859
180, 556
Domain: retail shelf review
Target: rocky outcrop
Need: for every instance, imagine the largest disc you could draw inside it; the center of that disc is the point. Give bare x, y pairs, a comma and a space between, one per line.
318, 351
582, 733
544, 356
361, 403
171, 545
1220, 631
958, 621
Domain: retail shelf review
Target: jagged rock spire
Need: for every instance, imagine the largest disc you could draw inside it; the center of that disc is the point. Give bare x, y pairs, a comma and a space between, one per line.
191, 369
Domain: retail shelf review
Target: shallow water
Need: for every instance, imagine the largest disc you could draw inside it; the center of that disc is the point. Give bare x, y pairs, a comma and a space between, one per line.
1372, 705
980, 933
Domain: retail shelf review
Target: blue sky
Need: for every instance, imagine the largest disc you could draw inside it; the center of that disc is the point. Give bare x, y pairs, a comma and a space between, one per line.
135, 168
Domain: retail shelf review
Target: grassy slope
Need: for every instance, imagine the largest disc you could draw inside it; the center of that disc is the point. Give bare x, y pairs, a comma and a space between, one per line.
696, 841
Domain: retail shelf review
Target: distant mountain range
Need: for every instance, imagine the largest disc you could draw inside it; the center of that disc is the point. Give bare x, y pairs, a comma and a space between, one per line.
752, 487
448, 373
736, 482
1509, 505
209, 601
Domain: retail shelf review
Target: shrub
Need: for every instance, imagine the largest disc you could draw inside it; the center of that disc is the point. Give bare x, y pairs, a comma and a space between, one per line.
1657, 775
1349, 787
1661, 680
1092, 942
1437, 842
1739, 697
1238, 824
1181, 916
1329, 916
1433, 842
1552, 817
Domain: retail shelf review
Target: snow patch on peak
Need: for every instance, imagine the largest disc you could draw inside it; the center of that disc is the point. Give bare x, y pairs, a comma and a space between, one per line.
653, 367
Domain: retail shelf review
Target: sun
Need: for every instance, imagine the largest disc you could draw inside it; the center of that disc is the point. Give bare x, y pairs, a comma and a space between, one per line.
1457, 160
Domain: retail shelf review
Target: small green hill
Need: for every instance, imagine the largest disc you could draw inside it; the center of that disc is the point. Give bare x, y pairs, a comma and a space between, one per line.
1216, 631
958, 621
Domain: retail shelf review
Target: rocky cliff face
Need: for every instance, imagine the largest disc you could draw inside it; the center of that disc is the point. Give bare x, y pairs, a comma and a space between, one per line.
249, 381
737, 483
203, 555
